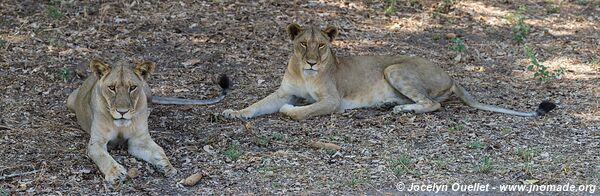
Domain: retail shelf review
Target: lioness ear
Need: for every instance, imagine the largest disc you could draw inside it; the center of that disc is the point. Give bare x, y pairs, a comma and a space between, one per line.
294, 30
144, 69
331, 32
99, 68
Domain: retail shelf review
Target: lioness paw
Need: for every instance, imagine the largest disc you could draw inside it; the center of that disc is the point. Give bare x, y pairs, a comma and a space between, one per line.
286, 108
290, 110
169, 170
234, 114
116, 175
401, 109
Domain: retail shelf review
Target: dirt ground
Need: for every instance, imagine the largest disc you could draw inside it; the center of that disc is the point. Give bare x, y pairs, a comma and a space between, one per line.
45, 48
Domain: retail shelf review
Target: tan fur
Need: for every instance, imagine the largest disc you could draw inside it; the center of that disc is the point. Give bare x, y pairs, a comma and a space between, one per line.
334, 84
112, 106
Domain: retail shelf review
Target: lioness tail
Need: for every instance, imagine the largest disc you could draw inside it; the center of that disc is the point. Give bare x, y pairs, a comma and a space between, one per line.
543, 108
224, 83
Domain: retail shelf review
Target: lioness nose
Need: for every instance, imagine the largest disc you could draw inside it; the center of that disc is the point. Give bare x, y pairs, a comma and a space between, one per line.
311, 63
122, 111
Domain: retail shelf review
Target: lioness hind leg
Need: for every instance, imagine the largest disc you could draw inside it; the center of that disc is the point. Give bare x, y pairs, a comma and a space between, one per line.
408, 83
146, 149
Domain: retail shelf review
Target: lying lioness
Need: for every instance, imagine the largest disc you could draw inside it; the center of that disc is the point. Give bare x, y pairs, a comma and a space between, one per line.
112, 106
332, 84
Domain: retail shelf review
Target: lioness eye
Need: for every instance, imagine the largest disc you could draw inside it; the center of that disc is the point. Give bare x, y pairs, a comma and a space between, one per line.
303, 44
111, 87
132, 88
321, 45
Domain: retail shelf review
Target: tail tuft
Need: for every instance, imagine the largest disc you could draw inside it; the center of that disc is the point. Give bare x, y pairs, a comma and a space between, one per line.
545, 107
224, 82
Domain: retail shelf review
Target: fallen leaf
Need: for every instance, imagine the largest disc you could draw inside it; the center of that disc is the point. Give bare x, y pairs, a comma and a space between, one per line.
181, 90
133, 173
530, 181
190, 62
209, 149
186, 107
450, 36
323, 145
66, 52
191, 180
247, 126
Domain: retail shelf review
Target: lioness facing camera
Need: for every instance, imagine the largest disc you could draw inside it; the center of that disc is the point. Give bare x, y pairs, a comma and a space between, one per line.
112, 105
333, 84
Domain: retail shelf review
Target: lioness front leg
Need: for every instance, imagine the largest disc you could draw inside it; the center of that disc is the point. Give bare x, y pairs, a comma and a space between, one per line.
325, 106
143, 147
113, 171
267, 105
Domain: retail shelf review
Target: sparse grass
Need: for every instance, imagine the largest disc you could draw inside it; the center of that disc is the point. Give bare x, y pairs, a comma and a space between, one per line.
262, 141
595, 64
3, 191
541, 71
553, 9
233, 152
357, 181
457, 126
486, 165
390, 8
457, 45
64, 74
528, 168
402, 166
441, 164
582, 2
476, 144
526, 154
2, 43
415, 4
53, 12
56, 43
520, 29
265, 169
436, 37
444, 6
329, 151
277, 136
505, 131
276, 185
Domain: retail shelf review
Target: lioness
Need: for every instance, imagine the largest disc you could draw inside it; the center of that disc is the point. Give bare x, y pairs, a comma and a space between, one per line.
332, 84
112, 106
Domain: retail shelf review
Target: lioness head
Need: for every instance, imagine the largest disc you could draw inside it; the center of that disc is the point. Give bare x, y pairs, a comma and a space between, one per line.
312, 46
121, 88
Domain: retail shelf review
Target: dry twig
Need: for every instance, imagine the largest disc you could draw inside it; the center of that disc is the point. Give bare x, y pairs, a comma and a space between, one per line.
19, 174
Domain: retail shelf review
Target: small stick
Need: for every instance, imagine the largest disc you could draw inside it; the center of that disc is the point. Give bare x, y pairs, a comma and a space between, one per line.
19, 174
5, 127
